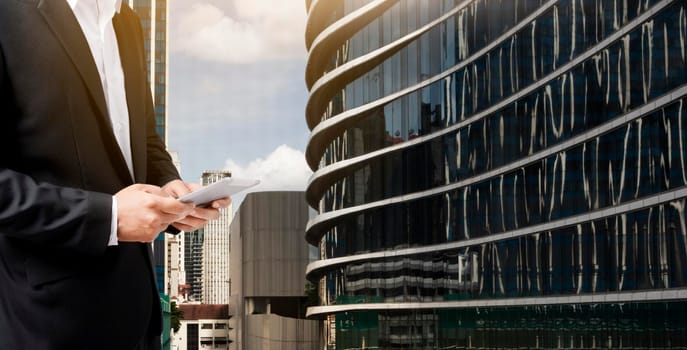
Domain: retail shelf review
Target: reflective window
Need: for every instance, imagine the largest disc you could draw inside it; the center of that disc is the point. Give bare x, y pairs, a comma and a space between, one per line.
641, 250
591, 94
644, 157
433, 52
637, 325
601, 84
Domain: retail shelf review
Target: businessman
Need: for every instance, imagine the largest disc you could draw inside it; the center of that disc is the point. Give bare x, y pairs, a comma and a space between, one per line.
85, 182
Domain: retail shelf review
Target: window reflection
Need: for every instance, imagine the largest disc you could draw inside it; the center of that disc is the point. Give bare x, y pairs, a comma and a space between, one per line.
435, 51
639, 159
591, 93
659, 325
640, 250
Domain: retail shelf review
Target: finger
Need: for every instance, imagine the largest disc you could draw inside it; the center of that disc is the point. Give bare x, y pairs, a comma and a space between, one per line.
221, 203
205, 213
183, 227
177, 188
172, 206
166, 219
192, 222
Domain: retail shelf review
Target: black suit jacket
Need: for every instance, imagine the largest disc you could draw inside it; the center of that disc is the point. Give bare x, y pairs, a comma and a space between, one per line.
61, 287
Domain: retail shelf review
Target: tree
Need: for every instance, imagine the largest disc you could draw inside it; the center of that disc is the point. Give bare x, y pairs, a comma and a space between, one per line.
312, 298
176, 314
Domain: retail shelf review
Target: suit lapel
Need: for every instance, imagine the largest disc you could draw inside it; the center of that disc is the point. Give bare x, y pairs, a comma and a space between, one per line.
61, 20
133, 66
66, 28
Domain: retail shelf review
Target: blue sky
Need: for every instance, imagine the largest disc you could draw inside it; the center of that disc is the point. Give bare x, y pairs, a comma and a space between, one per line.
236, 90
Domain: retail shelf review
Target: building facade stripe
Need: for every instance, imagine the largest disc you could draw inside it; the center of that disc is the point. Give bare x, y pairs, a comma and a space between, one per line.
676, 294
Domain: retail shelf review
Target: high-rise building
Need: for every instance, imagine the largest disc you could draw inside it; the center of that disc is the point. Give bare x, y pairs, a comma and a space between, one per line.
193, 265
216, 240
173, 258
499, 173
154, 14
268, 286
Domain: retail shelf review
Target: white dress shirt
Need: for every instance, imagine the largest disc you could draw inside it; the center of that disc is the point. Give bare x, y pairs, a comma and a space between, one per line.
95, 19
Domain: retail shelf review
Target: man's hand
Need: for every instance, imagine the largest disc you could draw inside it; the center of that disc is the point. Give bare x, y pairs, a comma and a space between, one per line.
199, 217
143, 211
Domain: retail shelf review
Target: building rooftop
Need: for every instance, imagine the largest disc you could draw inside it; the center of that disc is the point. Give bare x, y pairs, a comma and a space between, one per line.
204, 311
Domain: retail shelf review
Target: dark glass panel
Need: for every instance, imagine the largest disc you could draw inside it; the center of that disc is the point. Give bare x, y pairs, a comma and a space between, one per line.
593, 92
634, 251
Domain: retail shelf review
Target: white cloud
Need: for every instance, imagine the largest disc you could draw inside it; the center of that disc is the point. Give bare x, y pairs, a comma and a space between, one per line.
284, 169
258, 30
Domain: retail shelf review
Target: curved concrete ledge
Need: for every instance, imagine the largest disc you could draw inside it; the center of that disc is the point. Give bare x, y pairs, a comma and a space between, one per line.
331, 38
316, 22
316, 270
318, 225
326, 130
644, 296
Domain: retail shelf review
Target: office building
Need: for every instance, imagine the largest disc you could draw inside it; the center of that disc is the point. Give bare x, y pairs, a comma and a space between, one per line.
216, 240
173, 266
268, 286
173, 258
206, 254
154, 15
498, 173
193, 265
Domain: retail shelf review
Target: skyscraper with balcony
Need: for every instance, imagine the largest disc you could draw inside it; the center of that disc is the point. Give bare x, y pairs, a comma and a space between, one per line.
499, 173
193, 265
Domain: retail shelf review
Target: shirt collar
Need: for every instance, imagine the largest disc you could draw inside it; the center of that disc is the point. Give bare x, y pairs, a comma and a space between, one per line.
117, 4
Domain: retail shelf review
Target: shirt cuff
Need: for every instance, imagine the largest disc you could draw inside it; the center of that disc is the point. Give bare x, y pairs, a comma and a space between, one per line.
113, 225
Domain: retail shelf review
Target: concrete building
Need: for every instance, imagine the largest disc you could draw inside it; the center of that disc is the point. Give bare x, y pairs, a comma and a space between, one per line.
203, 326
268, 286
498, 173
173, 258
173, 266
206, 254
216, 240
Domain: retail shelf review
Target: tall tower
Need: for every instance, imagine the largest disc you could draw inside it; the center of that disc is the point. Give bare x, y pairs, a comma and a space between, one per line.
216, 249
193, 264
499, 173
154, 15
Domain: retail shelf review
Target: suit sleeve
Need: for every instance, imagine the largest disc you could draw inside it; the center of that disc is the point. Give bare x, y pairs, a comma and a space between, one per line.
51, 215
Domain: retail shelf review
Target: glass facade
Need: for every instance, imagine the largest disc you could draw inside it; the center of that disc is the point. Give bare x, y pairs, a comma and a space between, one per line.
153, 15
501, 174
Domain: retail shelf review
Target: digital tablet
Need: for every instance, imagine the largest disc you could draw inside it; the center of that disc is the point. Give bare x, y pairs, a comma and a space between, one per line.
220, 189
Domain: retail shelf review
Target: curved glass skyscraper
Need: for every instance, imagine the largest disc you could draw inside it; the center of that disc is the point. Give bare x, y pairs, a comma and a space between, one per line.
499, 173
